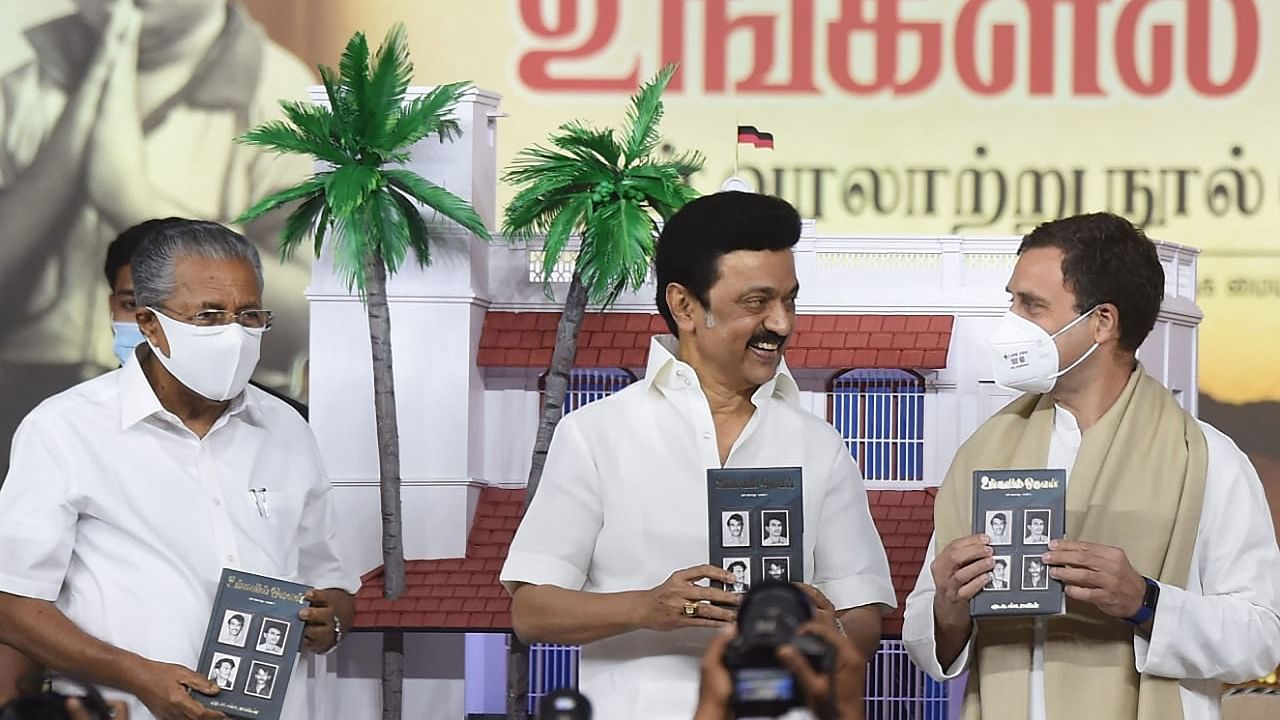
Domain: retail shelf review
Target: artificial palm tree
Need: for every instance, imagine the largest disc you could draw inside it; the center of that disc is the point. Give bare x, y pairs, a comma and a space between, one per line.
366, 206
606, 188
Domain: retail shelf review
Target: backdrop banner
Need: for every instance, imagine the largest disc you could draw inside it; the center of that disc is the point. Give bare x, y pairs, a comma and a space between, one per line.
979, 117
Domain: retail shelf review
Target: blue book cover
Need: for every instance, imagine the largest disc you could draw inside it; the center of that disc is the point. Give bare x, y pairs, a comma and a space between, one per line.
755, 518
1021, 510
251, 644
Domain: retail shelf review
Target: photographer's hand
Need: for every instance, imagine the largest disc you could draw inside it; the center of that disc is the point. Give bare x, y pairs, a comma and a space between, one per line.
838, 696
77, 711
716, 684
861, 625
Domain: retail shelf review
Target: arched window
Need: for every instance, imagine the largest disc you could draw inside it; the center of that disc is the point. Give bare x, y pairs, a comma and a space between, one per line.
587, 385
880, 414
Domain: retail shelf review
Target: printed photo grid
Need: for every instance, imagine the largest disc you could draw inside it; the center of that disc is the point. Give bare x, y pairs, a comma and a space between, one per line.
746, 528
270, 638
1020, 537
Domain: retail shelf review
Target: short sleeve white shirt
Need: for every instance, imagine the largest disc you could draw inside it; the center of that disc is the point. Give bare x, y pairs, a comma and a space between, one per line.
623, 504
120, 515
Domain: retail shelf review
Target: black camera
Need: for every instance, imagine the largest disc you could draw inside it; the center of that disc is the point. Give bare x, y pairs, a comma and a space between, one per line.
50, 705
770, 616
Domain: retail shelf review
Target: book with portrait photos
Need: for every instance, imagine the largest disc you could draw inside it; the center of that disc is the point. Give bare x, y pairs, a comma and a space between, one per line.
1021, 511
755, 518
251, 644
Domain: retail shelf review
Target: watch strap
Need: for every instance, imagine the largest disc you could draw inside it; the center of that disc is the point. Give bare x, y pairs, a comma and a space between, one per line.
1148, 609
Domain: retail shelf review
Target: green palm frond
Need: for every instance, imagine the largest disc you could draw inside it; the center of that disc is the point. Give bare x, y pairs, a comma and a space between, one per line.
388, 230
419, 240
428, 114
387, 83
586, 181
644, 114
349, 187
437, 198
307, 187
364, 205
353, 74
302, 220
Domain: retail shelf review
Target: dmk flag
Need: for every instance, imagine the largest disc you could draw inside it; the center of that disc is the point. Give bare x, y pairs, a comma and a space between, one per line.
748, 134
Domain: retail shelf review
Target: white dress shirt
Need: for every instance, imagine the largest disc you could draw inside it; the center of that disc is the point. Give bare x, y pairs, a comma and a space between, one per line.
623, 504
118, 513
1224, 627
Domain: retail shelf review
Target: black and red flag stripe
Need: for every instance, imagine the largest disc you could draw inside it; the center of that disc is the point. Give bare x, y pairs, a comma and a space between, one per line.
748, 134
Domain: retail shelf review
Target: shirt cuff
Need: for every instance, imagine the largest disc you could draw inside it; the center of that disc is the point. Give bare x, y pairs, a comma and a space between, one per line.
350, 584
1164, 624
535, 569
859, 590
923, 648
26, 587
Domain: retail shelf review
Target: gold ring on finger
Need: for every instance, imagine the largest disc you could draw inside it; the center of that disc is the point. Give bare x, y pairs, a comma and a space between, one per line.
691, 609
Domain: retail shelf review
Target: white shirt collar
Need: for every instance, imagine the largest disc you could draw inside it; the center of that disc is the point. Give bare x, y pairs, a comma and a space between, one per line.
138, 399
663, 366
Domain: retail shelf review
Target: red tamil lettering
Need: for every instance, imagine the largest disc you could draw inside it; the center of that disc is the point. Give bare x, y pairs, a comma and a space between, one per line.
1002, 52
1127, 52
1199, 37
673, 41
885, 29
535, 66
762, 28
1084, 46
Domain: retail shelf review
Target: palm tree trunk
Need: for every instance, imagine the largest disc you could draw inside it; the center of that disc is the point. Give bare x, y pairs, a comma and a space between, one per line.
384, 412
557, 384
517, 678
392, 674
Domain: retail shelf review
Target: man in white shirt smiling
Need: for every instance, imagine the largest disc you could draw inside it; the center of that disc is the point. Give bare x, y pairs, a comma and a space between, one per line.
1171, 568
129, 493
634, 466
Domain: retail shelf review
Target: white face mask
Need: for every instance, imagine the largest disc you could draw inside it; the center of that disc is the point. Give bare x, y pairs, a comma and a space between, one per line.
215, 361
1025, 357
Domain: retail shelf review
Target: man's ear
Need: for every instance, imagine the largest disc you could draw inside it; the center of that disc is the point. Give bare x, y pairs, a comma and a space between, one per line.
152, 330
1106, 324
684, 307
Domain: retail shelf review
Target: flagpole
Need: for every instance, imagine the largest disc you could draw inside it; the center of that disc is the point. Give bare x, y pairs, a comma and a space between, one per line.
737, 144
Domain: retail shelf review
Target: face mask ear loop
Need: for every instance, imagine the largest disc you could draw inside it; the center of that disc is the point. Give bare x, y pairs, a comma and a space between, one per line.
1073, 365
1083, 357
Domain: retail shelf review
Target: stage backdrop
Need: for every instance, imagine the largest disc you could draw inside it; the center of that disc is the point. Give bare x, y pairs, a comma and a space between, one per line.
893, 116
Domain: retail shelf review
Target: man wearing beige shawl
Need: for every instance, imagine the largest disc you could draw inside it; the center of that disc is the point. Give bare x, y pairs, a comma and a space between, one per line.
1170, 563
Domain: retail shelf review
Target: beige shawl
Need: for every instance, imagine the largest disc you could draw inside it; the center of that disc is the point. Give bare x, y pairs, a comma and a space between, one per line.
1138, 484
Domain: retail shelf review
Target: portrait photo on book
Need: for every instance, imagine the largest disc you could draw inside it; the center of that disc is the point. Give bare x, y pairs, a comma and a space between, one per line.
272, 637
235, 628
262, 680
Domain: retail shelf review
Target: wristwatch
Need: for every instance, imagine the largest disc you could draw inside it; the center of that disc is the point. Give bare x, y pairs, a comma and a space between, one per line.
1148, 609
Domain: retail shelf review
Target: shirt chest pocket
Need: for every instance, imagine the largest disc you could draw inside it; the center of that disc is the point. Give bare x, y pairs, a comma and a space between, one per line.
271, 519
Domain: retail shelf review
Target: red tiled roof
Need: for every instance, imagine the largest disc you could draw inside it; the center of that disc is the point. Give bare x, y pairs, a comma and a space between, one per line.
613, 339
461, 594
905, 521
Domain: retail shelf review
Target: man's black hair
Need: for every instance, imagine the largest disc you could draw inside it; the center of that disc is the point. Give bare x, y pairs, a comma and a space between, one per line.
694, 239
1107, 259
121, 249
